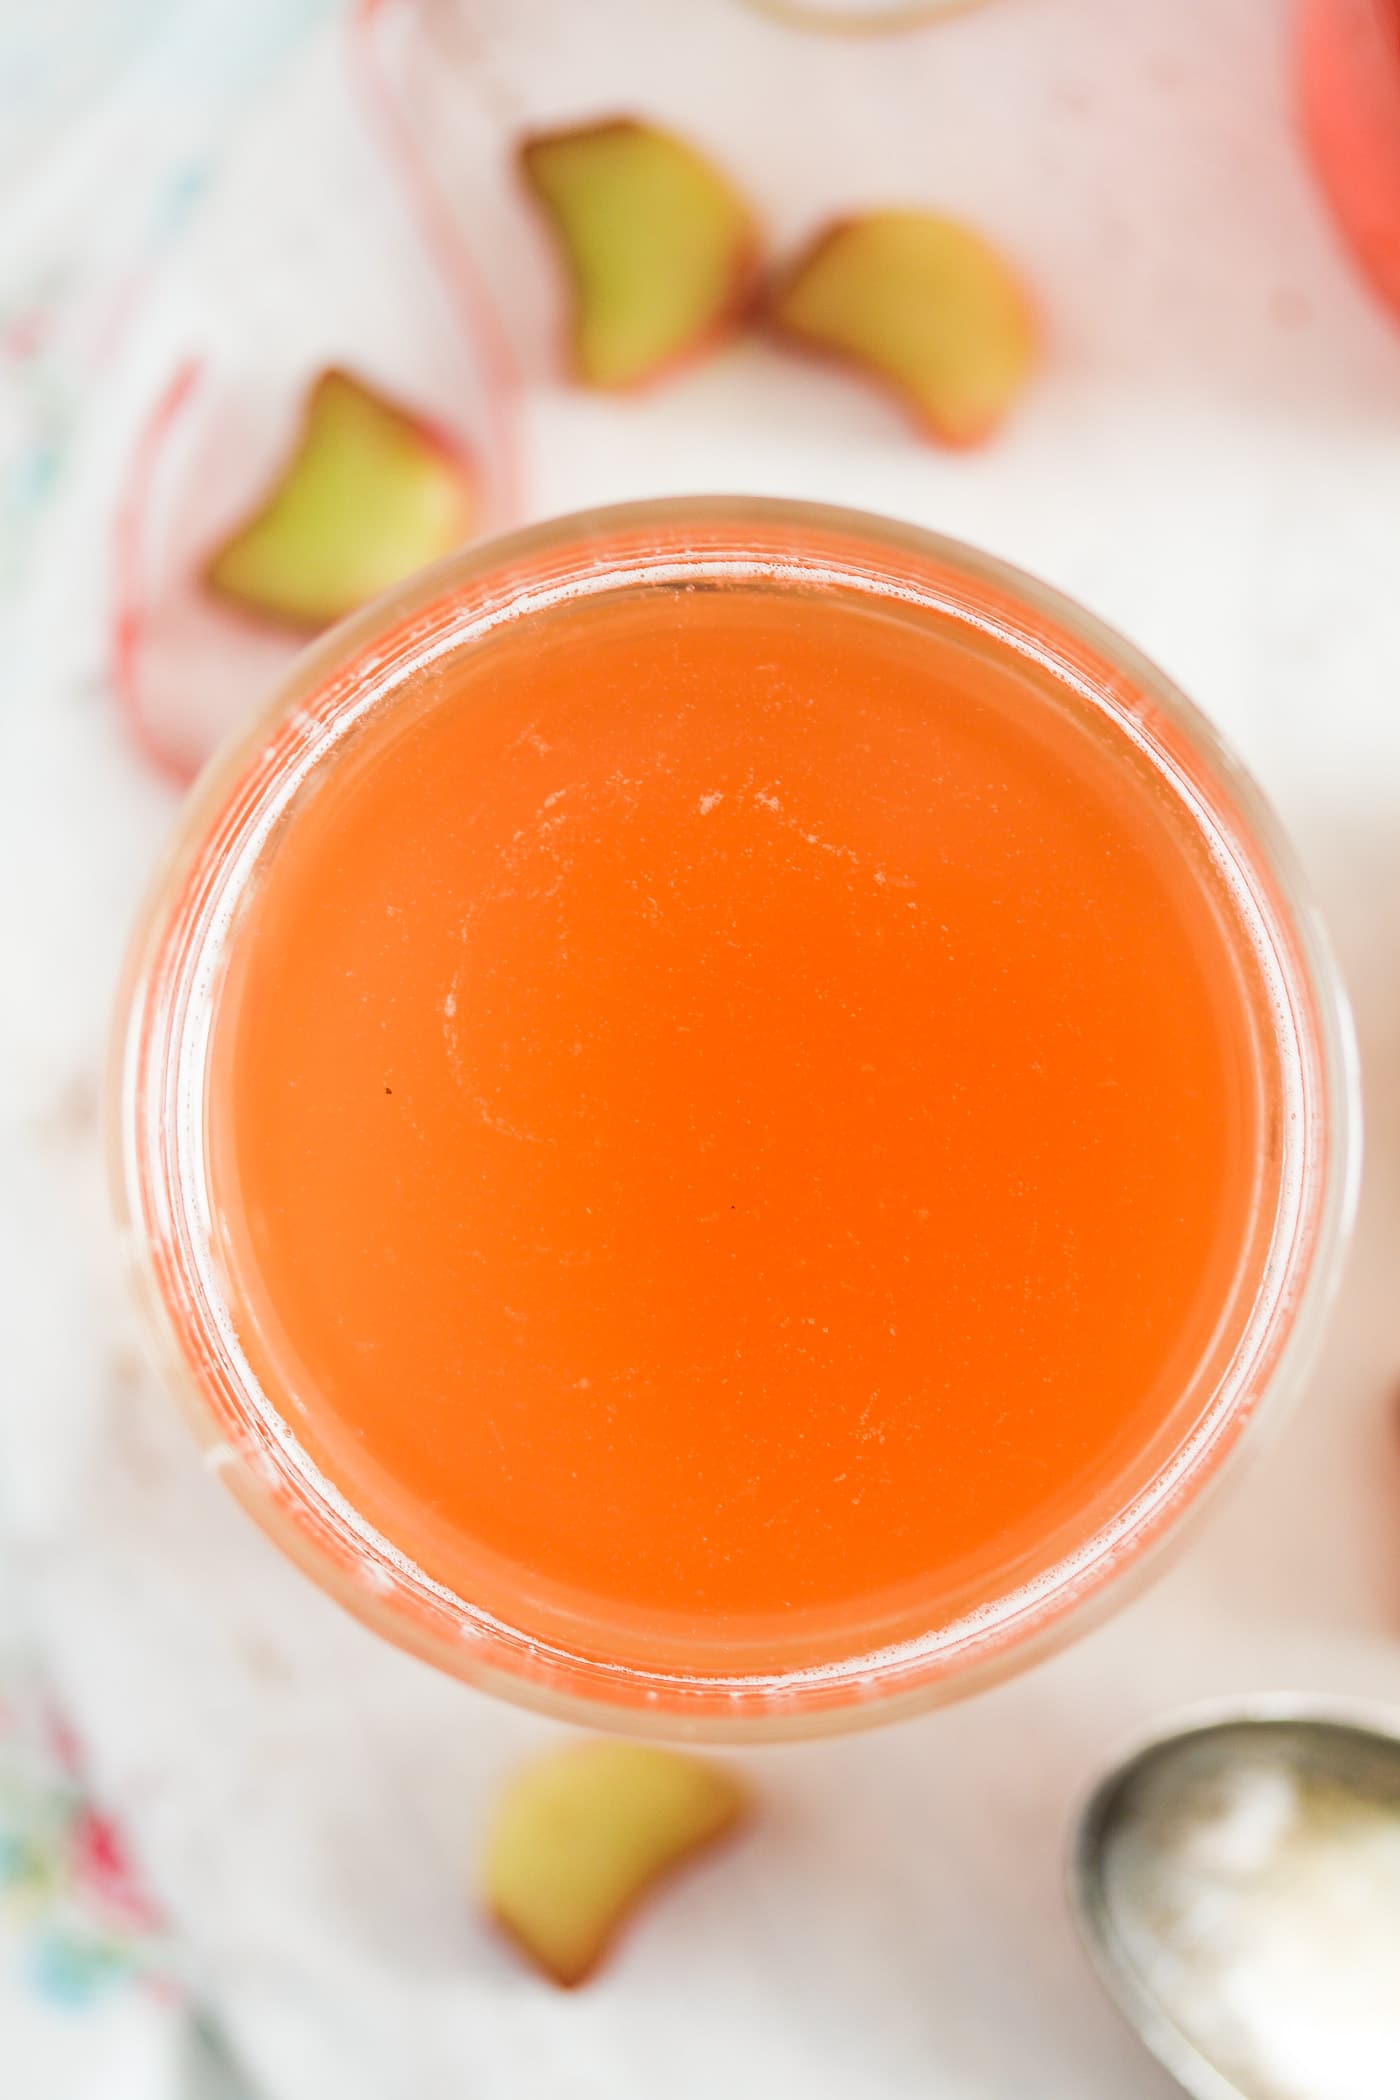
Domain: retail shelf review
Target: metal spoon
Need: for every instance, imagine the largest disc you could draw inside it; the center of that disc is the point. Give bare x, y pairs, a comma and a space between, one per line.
1163, 1814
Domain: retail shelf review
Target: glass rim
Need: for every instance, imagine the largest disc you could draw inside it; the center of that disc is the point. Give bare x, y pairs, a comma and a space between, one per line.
155, 1132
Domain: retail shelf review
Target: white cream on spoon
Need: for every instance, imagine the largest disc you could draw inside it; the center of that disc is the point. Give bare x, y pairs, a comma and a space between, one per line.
1239, 1887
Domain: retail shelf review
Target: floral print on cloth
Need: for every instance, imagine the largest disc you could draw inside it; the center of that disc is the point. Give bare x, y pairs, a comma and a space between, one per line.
92, 2006
75, 1919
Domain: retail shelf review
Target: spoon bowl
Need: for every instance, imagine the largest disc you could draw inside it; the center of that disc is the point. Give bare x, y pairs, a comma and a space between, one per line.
1198, 1818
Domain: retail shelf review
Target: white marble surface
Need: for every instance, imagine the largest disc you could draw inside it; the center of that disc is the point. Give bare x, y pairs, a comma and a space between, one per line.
1212, 460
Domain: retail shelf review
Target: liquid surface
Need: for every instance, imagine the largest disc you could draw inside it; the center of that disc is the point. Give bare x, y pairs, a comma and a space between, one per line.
731, 1106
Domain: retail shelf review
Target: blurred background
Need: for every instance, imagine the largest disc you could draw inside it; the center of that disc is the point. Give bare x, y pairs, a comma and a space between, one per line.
236, 1833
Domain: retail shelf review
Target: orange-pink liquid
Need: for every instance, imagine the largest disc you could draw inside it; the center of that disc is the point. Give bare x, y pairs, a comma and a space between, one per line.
731, 1105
